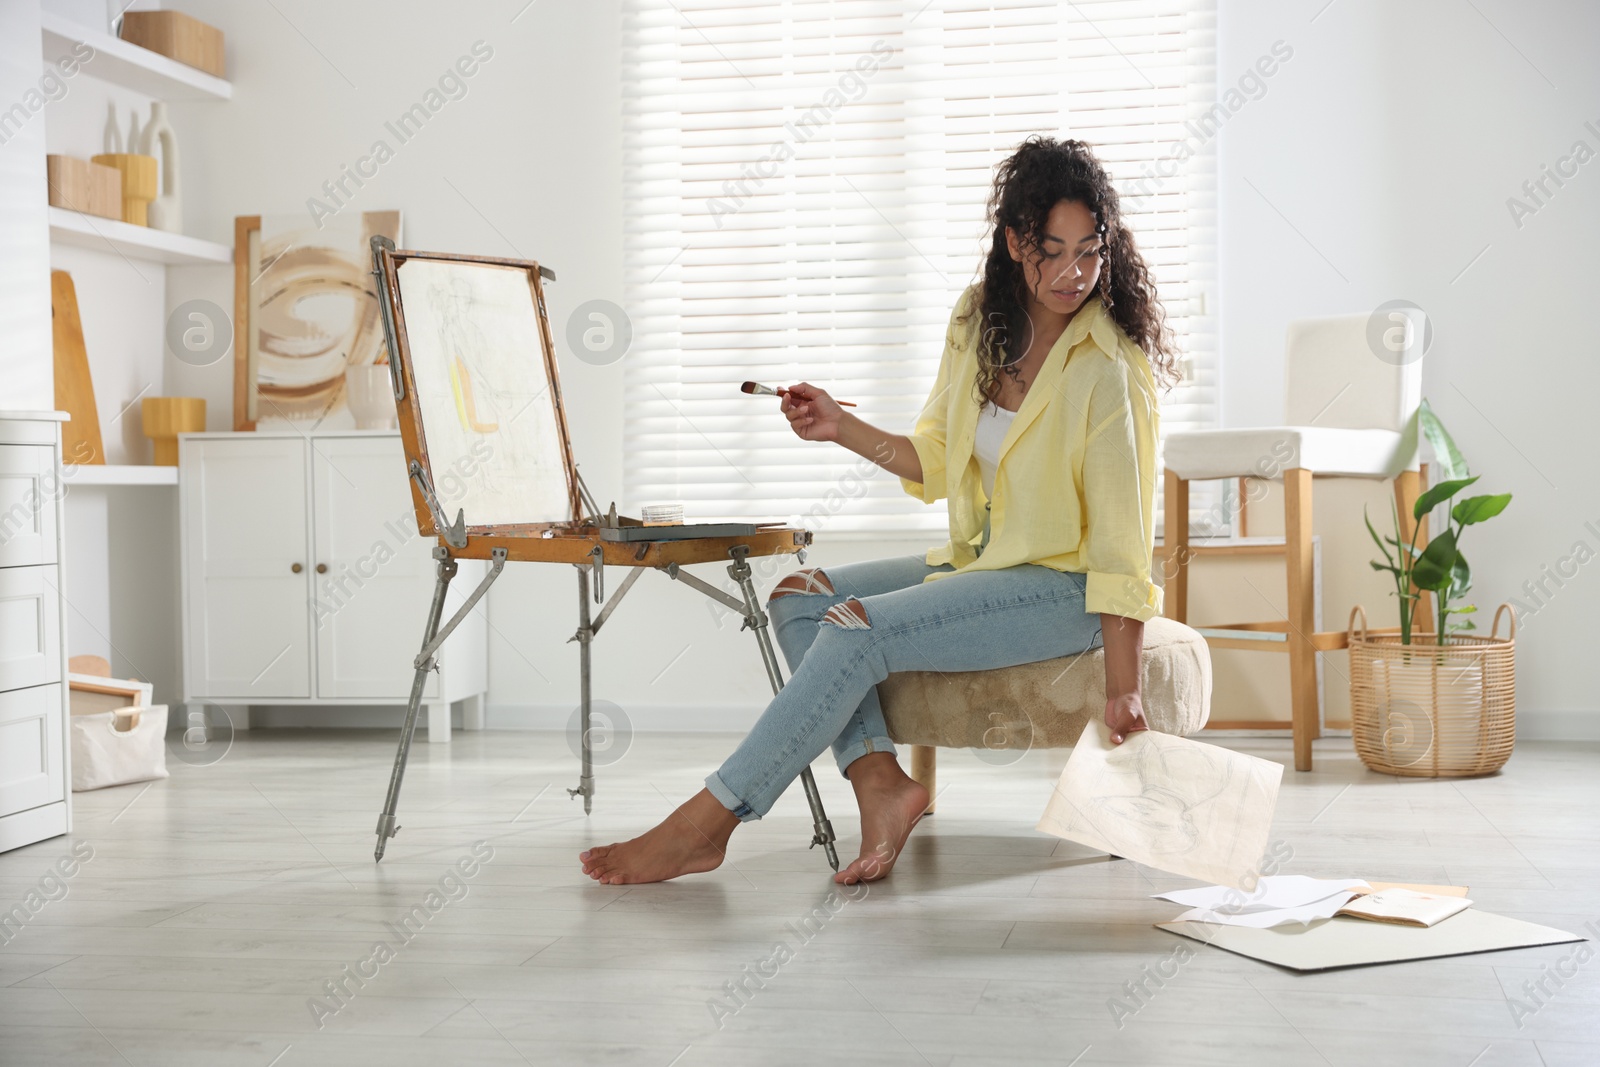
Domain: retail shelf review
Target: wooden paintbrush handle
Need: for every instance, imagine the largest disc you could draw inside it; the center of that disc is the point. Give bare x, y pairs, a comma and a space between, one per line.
841, 403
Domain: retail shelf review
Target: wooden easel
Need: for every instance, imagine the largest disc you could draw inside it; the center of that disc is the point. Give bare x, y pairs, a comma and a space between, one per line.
577, 539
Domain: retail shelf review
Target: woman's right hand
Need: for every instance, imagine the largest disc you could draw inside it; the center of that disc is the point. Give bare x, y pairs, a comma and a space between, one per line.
813, 414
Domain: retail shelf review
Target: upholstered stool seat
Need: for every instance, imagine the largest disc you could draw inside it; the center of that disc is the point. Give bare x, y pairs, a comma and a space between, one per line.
1044, 704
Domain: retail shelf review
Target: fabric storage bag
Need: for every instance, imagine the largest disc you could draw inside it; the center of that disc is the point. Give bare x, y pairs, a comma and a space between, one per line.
103, 754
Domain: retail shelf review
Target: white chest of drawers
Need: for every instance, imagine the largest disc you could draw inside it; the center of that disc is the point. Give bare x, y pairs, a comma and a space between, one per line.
35, 781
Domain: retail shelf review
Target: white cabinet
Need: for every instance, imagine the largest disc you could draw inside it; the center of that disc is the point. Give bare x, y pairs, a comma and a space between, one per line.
305, 581
35, 792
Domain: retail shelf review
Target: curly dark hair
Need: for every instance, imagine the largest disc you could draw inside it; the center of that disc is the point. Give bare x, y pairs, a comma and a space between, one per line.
1038, 175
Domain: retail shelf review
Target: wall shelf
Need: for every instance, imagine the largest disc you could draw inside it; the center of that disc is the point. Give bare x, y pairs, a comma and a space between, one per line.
119, 474
141, 242
128, 65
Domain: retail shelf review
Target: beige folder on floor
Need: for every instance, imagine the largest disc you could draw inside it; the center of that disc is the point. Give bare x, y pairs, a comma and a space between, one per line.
1342, 942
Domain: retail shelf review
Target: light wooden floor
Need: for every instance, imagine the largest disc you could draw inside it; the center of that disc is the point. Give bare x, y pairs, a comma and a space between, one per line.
218, 903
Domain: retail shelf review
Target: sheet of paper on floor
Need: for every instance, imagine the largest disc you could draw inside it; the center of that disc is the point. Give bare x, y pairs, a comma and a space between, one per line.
1271, 891
1263, 918
1178, 805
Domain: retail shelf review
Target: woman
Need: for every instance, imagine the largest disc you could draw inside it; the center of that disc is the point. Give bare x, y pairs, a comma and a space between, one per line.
1041, 432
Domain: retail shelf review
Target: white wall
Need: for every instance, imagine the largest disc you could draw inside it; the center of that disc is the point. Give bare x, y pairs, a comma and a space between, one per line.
1391, 142
26, 374
526, 162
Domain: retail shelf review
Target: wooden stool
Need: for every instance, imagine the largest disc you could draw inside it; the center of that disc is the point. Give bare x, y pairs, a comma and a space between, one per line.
1296, 635
1352, 398
1045, 704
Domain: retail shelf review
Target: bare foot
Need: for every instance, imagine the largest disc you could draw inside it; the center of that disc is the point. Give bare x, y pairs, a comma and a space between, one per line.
691, 840
891, 803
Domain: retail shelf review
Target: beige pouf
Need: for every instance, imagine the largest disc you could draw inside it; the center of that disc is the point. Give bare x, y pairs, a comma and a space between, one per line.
1044, 704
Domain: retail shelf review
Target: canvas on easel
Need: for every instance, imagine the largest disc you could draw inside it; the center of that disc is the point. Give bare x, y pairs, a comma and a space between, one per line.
478, 394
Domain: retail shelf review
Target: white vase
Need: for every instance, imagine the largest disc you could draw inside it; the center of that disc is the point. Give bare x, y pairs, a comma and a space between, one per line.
113, 134
166, 210
370, 394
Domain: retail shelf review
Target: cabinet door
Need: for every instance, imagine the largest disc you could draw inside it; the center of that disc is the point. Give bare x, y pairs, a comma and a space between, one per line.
247, 612
32, 770
374, 572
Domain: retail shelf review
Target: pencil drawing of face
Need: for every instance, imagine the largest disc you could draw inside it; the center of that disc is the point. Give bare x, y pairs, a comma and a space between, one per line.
453, 304
1179, 805
1171, 786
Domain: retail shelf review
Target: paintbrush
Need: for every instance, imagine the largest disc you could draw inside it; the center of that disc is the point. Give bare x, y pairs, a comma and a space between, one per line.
757, 389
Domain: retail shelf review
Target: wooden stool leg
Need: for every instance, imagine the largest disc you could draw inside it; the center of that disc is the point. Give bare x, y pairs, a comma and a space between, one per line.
925, 771
1301, 588
1175, 537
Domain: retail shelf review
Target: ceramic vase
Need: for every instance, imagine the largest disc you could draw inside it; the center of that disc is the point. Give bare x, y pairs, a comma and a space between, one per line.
113, 134
166, 210
370, 394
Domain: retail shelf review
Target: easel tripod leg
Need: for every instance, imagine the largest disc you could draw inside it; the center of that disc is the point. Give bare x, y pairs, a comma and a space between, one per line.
756, 619
585, 638
386, 823
821, 828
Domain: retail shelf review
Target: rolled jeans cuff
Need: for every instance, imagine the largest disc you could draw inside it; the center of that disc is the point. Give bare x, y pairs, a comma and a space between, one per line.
863, 747
726, 797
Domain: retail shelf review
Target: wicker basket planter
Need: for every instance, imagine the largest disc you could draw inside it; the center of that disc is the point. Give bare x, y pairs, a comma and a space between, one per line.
1428, 710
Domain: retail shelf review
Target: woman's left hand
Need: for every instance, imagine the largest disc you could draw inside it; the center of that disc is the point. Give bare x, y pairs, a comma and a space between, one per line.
1124, 716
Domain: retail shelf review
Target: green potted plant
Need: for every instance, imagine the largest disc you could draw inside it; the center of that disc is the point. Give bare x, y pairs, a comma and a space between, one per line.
1433, 702
1439, 566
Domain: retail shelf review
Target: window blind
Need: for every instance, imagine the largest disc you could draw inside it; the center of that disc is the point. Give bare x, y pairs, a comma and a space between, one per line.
805, 184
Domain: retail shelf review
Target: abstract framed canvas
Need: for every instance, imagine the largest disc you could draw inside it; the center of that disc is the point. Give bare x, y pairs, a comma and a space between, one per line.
305, 310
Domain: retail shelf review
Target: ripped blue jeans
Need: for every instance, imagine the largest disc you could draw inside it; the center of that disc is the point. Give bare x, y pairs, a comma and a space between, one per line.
838, 652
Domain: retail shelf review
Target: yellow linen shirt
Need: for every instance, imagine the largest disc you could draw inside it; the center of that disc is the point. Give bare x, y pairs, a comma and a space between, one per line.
1075, 482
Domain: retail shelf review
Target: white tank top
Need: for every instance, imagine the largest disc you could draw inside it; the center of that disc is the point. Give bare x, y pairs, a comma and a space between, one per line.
993, 422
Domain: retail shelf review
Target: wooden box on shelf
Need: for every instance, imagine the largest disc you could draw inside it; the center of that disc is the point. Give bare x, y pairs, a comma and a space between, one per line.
79, 185
138, 179
176, 36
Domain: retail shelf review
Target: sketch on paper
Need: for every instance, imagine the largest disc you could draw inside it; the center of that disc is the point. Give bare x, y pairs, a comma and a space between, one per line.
483, 393
312, 312
1178, 805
